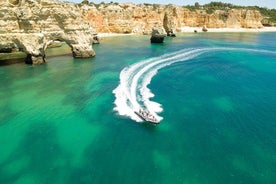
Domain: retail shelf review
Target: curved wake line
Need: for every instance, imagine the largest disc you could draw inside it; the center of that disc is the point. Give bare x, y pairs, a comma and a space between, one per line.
132, 92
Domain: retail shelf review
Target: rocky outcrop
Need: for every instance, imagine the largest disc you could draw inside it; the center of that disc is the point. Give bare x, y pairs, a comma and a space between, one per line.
31, 25
124, 18
131, 18
236, 18
157, 36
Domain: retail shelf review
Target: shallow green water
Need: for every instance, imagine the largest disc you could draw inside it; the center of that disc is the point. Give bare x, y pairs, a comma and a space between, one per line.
58, 123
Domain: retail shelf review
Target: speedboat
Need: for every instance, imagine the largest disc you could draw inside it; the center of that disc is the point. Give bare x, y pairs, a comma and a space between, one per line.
147, 116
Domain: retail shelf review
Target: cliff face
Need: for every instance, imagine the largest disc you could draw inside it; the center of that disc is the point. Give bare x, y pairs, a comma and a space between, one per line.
124, 18
31, 25
131, 18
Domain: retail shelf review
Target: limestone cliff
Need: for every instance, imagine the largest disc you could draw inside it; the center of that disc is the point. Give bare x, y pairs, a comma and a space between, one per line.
131, 18
30, 25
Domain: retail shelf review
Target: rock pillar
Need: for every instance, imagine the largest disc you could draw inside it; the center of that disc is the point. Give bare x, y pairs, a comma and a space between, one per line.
82, 50
31, 59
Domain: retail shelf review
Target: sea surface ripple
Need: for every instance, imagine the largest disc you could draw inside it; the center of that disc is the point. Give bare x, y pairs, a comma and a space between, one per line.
132, 92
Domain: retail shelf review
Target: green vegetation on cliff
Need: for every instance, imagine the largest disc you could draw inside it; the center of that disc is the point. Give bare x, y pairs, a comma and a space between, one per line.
269, 14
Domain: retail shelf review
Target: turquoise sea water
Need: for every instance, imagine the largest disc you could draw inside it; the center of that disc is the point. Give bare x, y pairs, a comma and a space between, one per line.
68, 121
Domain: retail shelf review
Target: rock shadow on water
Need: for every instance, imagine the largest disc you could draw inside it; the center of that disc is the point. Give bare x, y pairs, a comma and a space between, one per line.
11, 61
38, 158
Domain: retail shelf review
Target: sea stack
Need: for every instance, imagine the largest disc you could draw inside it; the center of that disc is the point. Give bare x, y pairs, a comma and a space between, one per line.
204, 29
157, 36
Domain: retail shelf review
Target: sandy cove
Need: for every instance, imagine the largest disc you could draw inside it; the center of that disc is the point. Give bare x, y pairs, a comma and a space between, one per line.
199, 29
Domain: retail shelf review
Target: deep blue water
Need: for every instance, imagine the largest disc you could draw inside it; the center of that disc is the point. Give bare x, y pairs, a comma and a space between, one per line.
217, 93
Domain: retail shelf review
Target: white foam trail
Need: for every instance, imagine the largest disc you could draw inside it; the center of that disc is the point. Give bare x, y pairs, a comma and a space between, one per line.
132, 92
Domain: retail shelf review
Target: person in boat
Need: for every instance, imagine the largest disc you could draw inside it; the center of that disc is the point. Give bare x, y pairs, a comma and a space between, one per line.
147, 115
143, 113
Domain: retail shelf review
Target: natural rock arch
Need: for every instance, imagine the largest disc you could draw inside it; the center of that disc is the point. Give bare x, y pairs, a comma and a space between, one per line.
29, 26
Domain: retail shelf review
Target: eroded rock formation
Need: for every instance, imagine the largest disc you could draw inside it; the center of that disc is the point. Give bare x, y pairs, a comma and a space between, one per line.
30, 25
157, 36
131, 18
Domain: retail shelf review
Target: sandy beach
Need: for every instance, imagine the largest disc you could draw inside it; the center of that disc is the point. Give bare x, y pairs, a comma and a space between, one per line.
5, 56
199, 29
102, 35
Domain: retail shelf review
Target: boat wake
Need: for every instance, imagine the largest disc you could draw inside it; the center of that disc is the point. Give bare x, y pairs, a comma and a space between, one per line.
132, 92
